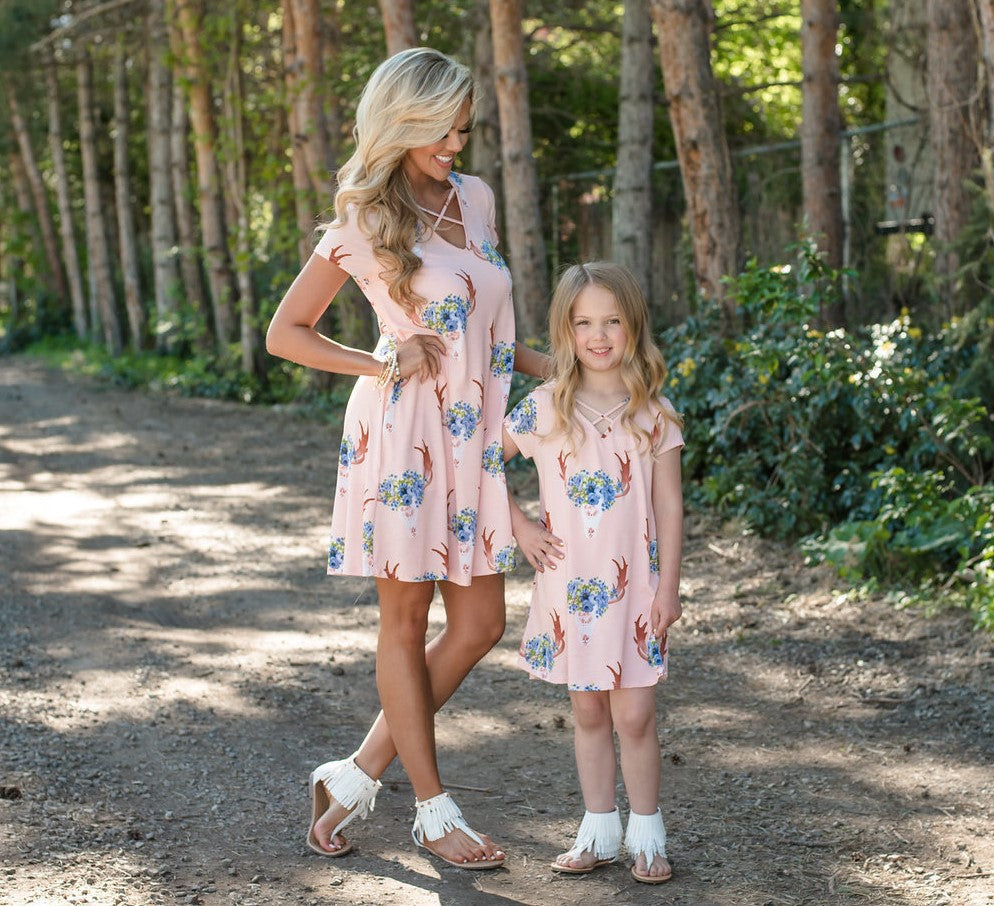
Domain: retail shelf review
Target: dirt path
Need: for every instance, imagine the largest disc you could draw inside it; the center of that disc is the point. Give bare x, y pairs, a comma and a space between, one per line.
173, 661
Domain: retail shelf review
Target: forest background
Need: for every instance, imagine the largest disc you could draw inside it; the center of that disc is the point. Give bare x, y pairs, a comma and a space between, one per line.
805, 190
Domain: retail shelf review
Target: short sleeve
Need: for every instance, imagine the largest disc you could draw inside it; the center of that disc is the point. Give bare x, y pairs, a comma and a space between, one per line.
490, 207
521, 423
345, 245
667, 432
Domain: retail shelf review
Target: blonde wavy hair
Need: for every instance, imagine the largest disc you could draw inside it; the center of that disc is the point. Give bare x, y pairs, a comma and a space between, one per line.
411, 100
642, 367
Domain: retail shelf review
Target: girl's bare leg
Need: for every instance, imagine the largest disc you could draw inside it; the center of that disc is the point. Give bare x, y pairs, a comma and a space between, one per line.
593, 741
474, 624
634, 714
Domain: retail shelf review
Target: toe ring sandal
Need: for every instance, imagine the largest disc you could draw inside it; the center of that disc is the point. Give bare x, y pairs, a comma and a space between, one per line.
600, 833
351, 787
646, 835
435, 818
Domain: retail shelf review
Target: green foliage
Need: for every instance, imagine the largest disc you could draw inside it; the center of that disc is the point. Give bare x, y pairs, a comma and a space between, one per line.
859, 441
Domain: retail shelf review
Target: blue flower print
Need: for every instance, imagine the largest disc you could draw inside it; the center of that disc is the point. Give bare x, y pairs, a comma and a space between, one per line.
593, 489
455, 179
448, 316
489, 251
654, 652
540, 652
653, 557
402, 491
463, 525
430, 577
462, 419
336, 553
588, 596
346, 453
493, 459
588, 687
398, 386
502, 359
367, 538
523, 416
506, 559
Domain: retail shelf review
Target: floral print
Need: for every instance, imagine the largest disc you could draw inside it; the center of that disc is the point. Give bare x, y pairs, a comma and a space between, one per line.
346, 452
336, 553
597, 490
539, 653
653, 557
522, 417
491, 254
493, 459
506, 559
461, 419
463, 525
588, 597
447, 317
403, 491
502, 359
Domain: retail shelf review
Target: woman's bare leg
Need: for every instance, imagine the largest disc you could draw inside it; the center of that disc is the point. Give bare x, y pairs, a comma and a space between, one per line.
474, 624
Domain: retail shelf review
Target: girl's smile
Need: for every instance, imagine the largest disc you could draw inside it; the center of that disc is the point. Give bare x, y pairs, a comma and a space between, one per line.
599, 334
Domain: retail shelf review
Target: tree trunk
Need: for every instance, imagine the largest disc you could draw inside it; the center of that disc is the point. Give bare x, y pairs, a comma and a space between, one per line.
219, 278
986, 9
485, 146
70, 254
631, 219
821, 125
40, 195
186, 215
122, 194
684, 28
103, 306
164, 266
951, 63
521, 212
398, 23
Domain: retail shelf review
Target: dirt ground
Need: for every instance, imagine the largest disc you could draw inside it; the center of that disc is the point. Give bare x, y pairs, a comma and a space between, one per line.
173, 661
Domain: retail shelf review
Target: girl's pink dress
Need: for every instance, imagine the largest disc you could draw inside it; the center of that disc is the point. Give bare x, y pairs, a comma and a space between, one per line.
421, 490
588, 624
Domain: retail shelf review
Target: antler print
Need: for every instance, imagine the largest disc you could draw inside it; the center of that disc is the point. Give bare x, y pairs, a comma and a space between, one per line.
336, 258
363, 445
626, 473
621, 580
616, 674
391, 573
488, 547
444, 554
562, 464
440, 395
425, 460
470, 289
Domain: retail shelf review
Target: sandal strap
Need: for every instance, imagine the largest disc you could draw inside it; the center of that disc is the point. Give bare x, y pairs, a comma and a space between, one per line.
349, 785
436, 817
646, 835
600, 833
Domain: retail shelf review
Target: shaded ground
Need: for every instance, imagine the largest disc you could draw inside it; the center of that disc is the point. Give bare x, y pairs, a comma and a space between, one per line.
173, 661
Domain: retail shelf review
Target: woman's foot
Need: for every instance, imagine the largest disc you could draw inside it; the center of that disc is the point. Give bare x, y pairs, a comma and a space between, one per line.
655, 873
326, 824
456, 847
440, 828
340, 792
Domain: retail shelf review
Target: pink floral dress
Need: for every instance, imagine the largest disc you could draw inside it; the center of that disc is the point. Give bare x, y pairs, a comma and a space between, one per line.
421, 490
588, 623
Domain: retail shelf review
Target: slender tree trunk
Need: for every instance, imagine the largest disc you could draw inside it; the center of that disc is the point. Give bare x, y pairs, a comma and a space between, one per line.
42, 209
219, 278
186, 215
164, 265
631, 222
310, 96
951, 63
70, 254
485, 146
684, 29
821, 126
521, 211
122, 193
15, 264
398, 23
986, 28
103, 307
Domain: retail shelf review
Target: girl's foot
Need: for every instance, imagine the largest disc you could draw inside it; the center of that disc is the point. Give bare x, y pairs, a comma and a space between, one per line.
580, 864
655, 873
597, 843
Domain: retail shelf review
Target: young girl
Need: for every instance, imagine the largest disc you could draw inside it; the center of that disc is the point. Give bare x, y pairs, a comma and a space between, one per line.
607, 552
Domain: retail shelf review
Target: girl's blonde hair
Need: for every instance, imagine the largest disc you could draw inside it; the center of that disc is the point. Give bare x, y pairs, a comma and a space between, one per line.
642, 367
411, 100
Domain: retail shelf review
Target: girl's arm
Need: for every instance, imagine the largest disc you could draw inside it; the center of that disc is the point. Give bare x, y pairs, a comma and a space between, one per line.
292, 336
667, 507
540, 547
531, 362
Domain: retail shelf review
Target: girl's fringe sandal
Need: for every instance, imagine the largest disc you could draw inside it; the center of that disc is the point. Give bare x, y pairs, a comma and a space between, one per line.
435, 818
351, 787
600, 833
646, 836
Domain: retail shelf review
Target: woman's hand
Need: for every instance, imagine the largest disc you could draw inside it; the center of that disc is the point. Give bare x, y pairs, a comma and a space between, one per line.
540, 547
420, 357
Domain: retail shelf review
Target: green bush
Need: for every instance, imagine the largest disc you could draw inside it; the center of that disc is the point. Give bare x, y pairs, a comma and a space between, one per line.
868, 444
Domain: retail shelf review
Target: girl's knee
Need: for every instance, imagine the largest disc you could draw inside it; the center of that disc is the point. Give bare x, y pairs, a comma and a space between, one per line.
635, 723
591, 710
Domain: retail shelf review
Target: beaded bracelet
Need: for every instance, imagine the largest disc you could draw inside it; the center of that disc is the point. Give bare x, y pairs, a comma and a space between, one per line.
390, 373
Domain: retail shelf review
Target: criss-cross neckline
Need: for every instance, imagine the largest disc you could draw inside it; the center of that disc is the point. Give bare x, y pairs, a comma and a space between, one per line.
441, 215
610, 417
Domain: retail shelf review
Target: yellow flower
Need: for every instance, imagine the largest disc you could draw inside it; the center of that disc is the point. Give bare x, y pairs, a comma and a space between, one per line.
813, 334
764, 378
889, 450
915, 333
686, 367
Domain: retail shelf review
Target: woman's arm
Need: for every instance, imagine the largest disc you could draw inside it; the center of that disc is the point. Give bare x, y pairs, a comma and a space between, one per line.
667, 508
292, 336
531, 362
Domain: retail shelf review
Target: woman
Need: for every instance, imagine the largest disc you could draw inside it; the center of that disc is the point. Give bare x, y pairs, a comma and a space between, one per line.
421, 495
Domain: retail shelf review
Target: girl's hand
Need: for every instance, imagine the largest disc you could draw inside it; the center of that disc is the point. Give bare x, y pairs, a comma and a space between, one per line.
540, 547
666, 609
420, 357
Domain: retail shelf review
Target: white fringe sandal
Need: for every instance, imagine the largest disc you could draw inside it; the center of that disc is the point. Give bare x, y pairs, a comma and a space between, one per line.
600, 833
435, 818
646, 836
351, 787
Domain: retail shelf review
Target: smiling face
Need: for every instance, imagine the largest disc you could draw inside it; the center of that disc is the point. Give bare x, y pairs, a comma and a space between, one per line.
599, 333
435, 161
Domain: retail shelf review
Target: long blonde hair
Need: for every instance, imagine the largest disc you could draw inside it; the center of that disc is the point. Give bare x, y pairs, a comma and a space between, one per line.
643, 370
411, 100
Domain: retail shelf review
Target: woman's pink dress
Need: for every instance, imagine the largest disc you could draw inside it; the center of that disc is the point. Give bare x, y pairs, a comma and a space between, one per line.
421, 490
588, 624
